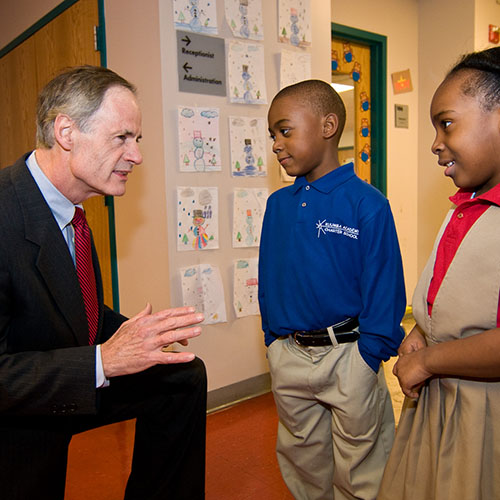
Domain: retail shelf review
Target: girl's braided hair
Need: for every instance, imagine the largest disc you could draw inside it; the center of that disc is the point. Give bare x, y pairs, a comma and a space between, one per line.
483, 80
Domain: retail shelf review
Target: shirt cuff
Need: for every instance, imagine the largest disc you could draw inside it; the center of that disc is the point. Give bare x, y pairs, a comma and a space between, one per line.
100, 378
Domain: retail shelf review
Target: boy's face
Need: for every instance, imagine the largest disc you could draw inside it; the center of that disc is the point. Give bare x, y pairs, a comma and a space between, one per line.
298, 135
467, 137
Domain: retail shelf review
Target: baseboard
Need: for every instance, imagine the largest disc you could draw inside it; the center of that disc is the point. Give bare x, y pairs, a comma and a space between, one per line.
229, 395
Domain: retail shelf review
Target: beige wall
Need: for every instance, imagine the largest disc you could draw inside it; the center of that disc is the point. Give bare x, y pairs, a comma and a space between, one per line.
18, 15
485, 13
439, 47
141, 214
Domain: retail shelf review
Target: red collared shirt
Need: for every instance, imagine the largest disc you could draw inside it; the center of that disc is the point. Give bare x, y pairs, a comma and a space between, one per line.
465, 215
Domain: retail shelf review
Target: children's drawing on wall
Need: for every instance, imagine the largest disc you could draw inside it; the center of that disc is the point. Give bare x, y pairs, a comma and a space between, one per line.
294, 67
197, 218
295, 22
247, 138
245, 18
202, 288
199, 16
247, 81
245, 284
199, 143
249, 206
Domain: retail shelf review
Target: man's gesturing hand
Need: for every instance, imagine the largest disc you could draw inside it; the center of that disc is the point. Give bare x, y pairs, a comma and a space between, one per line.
138, 343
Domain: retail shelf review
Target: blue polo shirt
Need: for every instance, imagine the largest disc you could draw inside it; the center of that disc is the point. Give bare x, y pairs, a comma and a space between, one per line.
329, 251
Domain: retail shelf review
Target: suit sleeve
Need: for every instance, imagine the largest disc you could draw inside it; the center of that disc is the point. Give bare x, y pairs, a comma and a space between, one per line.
43, 370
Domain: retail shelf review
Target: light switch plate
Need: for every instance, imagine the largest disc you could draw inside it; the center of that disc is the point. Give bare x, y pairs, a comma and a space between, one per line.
401, 113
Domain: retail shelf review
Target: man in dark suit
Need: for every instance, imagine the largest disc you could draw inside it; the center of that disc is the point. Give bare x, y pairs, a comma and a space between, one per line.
65, 366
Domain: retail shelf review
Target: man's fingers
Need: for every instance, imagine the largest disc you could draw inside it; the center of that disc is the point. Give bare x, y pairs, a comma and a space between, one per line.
163, 324
174, 324
175, 312
145, 312
180, 336
171, 357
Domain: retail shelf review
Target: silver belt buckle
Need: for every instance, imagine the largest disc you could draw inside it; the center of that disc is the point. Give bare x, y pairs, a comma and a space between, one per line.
295, 339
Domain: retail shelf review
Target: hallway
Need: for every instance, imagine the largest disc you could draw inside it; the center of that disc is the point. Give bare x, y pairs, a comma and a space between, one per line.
241, 461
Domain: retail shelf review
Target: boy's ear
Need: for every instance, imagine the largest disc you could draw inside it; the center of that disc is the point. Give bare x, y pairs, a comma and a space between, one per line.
63, 129
330, 125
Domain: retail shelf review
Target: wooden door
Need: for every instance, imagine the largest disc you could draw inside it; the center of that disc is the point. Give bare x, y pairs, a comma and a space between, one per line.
352, 61
67, 40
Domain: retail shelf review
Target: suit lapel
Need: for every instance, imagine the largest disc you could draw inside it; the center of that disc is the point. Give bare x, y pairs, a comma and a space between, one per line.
54, 260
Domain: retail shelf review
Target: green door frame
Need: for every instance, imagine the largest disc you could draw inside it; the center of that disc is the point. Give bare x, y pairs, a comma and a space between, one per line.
378, 97
101, 45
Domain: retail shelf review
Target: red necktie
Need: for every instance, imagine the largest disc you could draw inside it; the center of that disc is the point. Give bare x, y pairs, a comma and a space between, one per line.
85, 271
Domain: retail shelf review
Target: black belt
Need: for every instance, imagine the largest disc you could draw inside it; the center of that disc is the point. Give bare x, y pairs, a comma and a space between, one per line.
344, 332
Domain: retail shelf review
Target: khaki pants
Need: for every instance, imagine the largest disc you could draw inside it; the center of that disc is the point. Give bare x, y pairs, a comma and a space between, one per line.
336, 421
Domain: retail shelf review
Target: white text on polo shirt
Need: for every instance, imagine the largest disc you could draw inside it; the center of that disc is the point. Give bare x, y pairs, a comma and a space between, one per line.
324, 227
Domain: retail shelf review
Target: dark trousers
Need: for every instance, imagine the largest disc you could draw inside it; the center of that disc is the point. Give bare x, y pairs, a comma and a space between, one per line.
169, 403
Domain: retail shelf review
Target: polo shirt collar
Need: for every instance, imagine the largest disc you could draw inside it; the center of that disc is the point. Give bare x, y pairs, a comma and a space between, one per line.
464, 195
329, 181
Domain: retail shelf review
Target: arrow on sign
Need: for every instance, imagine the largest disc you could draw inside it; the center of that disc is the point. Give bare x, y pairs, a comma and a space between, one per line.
187, 40
186, 67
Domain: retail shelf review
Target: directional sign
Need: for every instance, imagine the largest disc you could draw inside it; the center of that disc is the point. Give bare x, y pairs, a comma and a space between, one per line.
201, 64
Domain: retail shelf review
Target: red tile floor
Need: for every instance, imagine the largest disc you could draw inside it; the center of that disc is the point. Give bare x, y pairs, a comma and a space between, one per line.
241, 462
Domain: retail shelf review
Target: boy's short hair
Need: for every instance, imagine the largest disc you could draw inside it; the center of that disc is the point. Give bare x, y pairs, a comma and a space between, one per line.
483, 80
77, 92
319, 96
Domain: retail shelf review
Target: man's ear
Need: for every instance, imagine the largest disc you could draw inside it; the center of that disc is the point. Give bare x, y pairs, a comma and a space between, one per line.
330, 125
63, 131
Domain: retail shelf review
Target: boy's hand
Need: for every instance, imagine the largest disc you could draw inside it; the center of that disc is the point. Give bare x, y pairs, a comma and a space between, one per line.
413, 342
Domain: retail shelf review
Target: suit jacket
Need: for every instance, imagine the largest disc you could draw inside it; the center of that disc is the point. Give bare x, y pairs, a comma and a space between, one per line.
46, 364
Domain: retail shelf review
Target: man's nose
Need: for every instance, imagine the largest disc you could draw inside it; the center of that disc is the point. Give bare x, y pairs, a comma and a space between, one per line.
134, 154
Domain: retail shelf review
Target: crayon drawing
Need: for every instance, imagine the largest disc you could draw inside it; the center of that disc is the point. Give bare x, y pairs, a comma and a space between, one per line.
249, 207
198, 16
247, 82
202, 288
295, 67
246, 286
199, 142
295, 22
247, 137
197, 218
245, 18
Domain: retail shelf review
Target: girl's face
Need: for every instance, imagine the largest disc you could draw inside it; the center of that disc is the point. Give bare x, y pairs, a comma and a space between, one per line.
467, 137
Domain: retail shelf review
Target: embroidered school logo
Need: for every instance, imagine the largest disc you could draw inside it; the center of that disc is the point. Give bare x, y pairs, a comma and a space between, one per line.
324, 227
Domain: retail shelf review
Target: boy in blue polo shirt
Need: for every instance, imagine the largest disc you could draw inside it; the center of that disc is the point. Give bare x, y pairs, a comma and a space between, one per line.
331, 294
